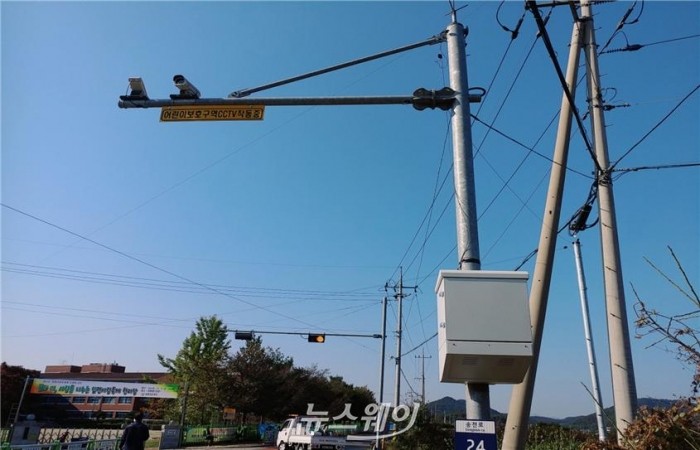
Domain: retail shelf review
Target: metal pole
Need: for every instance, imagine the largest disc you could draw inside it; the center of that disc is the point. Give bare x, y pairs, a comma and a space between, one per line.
597, 398
521, 397
422, 391
21, 399
381, 365
397, 379
623, 382
378, 444
477, 394
423, 358
183, 412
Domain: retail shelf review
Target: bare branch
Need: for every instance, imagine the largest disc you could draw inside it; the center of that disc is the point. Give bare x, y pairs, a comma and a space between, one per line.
685, 276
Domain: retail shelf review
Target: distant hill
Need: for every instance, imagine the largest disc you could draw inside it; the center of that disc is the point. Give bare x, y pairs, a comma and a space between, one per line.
453, 409
448, 406
588, 422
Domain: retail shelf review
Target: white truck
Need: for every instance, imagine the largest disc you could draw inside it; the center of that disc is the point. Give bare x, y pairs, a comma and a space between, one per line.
306, 433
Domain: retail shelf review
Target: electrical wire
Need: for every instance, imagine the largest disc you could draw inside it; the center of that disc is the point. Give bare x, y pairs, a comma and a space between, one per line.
635, 47
664, 166
506, 183
153, 266
419, 345
413, 391
179, 286
428, 214
592, 196
512, 221
530, 149
624, 22
562, 80
673, 110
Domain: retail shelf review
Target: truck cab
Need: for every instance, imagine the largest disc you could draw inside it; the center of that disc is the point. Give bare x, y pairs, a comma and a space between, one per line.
307, 433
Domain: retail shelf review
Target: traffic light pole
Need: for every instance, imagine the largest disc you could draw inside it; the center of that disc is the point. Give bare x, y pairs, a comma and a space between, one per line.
477, 394
247, 335
456, 97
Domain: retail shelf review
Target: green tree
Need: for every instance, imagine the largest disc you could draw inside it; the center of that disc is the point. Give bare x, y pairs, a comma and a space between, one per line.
201, 365
265, 382
12, 380
261, 380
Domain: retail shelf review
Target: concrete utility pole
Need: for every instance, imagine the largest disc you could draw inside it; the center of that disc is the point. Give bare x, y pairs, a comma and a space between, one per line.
21, 400
624, 390
521, 397
383, 352
422, 378
623, 382
399, 296
478, 404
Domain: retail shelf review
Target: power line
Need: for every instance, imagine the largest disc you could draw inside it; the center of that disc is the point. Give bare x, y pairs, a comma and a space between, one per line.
624, 22
177, 286
420, 345
153, 266
664, 166
530, 149
532, 5
675, 108
503, 233
635, 47
428, 213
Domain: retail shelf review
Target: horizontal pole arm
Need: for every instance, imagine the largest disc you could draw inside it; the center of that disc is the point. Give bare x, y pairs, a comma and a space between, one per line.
421, 99
288, 101
299, 333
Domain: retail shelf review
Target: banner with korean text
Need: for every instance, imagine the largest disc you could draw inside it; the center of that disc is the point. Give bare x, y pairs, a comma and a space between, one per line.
103, 389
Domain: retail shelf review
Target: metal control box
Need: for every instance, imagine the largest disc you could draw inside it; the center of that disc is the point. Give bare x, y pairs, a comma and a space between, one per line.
484, 331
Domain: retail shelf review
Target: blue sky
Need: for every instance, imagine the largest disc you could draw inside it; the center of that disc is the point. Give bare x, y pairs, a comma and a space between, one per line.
299, 220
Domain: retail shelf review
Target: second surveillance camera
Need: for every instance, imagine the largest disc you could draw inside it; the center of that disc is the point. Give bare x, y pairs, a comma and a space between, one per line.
187, 89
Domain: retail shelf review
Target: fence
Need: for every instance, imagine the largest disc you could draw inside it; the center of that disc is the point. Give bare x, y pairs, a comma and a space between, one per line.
49, 435
107, 439
220, 435
104, 444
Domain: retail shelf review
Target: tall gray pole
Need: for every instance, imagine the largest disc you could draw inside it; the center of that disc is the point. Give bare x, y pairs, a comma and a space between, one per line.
378, 444
623, 382
397, 376
183, 411
477, 394
21, 399
597, 398
422, 378
521, 397
381, 364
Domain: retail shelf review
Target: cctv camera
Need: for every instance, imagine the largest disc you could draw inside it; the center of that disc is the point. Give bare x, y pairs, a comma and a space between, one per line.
137, 90
187, 89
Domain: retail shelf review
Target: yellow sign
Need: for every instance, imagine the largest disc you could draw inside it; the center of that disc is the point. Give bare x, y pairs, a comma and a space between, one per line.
210, 112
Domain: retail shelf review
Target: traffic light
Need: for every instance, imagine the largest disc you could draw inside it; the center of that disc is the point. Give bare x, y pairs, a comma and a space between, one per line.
244, 335
317, 338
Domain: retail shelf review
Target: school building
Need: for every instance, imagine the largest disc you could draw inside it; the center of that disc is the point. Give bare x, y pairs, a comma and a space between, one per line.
82, 405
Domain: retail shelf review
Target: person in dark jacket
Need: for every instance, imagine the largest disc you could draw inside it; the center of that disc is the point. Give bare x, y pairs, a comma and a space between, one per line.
135, 435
